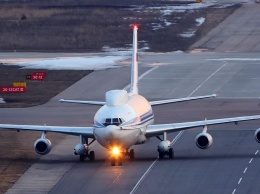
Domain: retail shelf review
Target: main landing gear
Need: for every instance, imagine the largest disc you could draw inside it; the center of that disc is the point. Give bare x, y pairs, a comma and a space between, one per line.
118, 156
169, 153
82, 149
90, 155
164, 148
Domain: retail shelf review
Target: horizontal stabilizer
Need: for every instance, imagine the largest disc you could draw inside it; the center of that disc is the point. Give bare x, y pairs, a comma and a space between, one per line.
153, 103
83, 102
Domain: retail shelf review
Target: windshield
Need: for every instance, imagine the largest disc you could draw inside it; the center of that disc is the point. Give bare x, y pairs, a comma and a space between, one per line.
112, 121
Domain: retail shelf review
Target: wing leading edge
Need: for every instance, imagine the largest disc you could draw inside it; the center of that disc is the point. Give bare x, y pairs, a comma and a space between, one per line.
84, 131
153, 130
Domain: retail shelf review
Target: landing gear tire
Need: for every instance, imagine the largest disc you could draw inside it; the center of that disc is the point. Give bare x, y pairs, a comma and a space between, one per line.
82, 157
92, 156
161, 155
132, 154
113, 162
119, 162
171, 153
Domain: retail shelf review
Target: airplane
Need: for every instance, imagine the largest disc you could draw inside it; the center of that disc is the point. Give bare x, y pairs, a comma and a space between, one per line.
126, 119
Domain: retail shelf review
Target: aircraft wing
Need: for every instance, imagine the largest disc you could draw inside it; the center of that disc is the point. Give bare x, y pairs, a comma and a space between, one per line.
153, 130
153, 103
84, 131
83, 102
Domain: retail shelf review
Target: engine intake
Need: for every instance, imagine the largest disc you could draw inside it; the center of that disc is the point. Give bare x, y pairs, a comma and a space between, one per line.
204, 140
42, 146
257, 135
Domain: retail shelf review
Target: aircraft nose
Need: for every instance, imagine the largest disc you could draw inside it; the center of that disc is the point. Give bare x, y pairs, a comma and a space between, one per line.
111, 131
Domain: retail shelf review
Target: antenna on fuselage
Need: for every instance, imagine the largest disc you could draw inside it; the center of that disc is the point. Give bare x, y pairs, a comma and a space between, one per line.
134, 71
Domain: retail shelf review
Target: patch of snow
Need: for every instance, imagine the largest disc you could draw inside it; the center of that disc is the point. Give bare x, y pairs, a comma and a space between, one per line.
200, 21
156, 26
178, 51
127, 50
166, 23
168, 10
118, 51
73, 63
224, 5
187, 34
2, 101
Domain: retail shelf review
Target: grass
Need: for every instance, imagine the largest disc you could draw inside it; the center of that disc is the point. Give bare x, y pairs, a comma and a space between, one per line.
87, 27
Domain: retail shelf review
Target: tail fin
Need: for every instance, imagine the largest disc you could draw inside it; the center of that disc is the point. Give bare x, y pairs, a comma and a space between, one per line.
134, 71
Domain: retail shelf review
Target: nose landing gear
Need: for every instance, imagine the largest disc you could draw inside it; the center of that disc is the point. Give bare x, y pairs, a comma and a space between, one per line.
117, 156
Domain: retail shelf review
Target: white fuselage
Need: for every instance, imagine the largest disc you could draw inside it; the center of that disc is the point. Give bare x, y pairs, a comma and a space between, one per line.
123, 120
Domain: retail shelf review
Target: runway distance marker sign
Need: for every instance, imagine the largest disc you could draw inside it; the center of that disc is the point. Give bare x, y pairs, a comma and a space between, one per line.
11, 89
40, 76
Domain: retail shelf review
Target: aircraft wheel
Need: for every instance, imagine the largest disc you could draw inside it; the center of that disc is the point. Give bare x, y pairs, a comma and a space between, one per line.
132, 154
171, 153
92, 156
120, 162
113, 162
161, 155
82, 157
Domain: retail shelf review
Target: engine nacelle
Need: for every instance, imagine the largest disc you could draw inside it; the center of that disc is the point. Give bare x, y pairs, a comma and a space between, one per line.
42, 146
204, 140
164, 146
80, 149
257, 135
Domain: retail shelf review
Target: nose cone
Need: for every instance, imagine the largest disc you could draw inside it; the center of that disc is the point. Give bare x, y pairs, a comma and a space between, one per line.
107, 135
111, 132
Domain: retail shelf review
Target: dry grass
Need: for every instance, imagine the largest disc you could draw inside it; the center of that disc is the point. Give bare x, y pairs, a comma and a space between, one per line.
38, 92
88, 27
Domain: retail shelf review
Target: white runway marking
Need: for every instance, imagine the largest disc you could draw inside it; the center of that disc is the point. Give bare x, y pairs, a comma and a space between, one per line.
179, 134
207, 79
141, 77
152, 165
245, 170
239, 181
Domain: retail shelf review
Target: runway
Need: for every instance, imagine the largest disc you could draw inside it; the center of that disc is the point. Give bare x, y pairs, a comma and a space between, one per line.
216, 170
229, 166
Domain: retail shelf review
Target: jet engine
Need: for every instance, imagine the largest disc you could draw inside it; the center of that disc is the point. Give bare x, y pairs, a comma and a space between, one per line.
42, 146
257, 135
164, 146
80, 149
204, 140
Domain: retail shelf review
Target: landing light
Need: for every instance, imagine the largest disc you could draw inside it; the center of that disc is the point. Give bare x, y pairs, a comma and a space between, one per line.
115, 151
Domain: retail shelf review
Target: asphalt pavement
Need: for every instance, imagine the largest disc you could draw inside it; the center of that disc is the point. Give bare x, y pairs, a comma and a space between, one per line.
230, 165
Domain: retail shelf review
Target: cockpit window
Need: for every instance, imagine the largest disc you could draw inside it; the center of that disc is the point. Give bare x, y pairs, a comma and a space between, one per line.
115, 121
107, 122
112, 121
